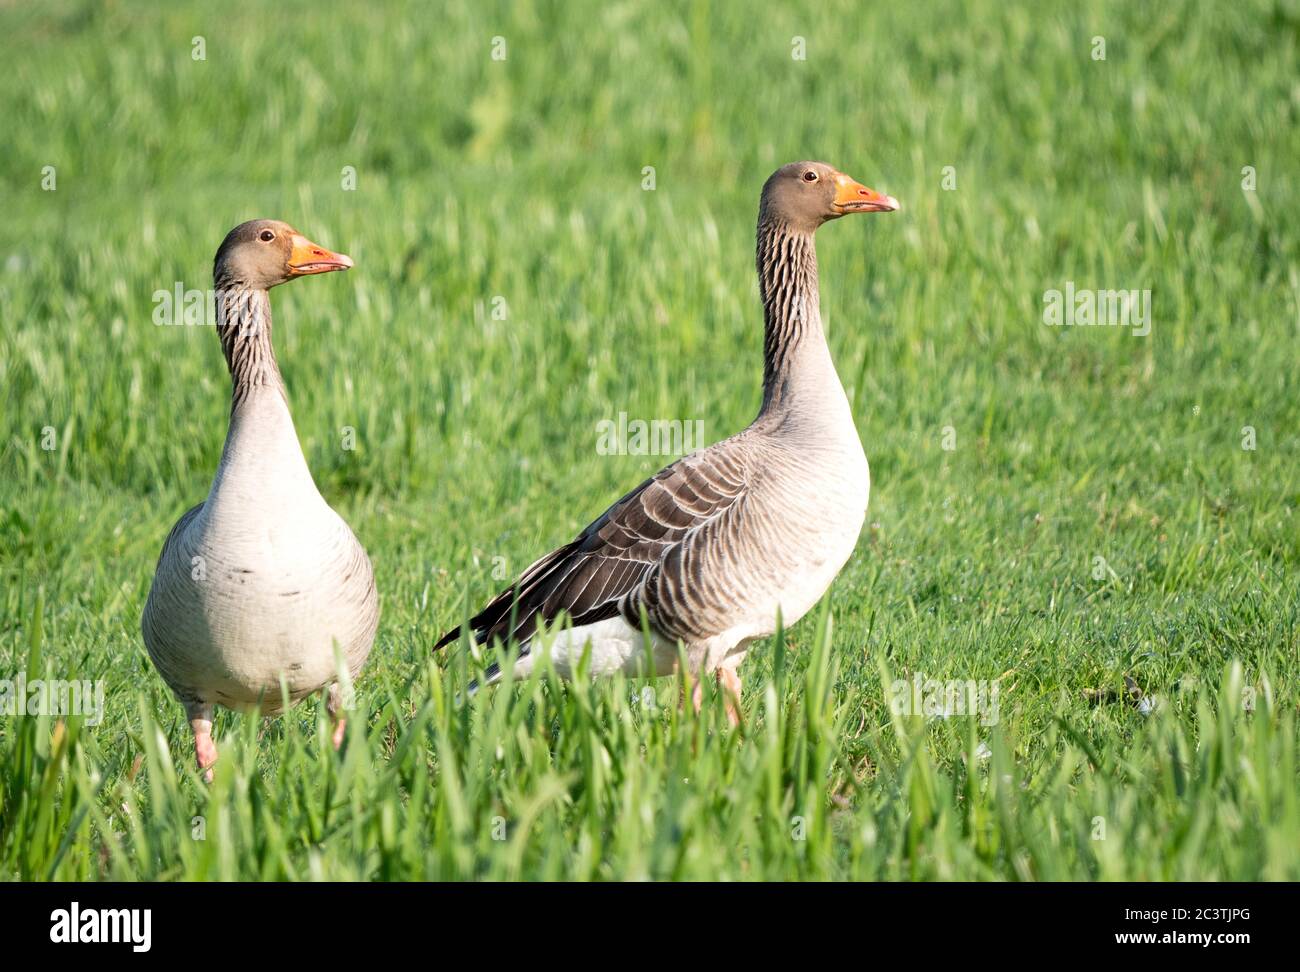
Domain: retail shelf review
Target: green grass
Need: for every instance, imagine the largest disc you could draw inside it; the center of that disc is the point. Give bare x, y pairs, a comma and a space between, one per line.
476, 437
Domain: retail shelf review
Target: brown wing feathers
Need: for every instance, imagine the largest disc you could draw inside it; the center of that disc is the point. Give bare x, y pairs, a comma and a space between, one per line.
584, 578
589, 578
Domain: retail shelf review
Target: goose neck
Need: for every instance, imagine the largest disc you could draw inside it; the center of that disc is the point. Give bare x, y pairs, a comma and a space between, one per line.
244, 327
794, 346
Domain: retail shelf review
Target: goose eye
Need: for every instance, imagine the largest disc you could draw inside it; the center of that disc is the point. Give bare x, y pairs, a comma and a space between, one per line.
810, 176
267, 236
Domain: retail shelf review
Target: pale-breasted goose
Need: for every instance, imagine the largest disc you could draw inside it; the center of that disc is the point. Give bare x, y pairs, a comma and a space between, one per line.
713, 547
262, 580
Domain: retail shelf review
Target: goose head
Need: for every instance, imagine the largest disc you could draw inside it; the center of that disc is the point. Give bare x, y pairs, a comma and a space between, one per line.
264, 253
803, 195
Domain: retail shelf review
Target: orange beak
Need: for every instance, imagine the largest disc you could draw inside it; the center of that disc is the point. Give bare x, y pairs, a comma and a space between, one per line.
308, 258
854, 197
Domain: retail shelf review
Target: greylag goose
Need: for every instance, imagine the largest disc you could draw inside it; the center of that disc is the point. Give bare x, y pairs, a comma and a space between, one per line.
717, 545
262, 581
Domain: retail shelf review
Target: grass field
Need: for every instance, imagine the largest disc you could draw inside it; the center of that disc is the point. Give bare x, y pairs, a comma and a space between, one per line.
1054, 509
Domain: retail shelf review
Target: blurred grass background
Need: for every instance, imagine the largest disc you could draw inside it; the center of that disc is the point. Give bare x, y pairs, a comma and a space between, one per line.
521, 179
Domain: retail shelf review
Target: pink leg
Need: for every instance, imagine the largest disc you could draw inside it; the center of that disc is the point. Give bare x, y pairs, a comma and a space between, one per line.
730, 683
334, 706
205, 750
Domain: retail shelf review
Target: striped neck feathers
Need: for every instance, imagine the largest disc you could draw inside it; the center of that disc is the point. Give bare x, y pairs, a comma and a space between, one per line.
244, 327
787, 277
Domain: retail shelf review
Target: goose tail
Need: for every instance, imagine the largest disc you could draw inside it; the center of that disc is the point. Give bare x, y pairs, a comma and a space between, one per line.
490, 677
